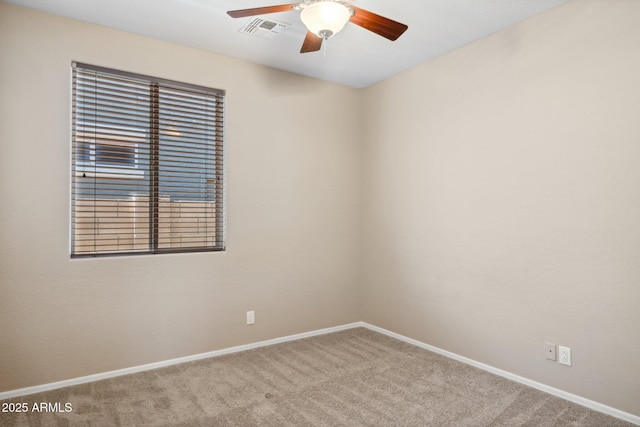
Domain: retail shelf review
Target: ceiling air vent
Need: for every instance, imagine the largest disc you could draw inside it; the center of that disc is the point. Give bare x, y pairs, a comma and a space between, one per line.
266, 29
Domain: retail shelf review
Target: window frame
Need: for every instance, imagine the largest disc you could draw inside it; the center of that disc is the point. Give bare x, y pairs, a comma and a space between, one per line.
92, 168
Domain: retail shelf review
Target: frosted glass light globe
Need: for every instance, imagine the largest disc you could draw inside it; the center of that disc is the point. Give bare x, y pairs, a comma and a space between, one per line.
325, 18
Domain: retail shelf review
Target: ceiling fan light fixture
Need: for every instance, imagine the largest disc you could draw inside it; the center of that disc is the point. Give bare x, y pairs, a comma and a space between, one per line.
325, 18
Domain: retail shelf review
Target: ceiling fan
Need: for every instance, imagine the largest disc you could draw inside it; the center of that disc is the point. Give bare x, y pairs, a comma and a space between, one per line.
325, 18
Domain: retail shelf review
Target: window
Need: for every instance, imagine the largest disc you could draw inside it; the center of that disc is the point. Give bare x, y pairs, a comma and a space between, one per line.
112, 154
147, 165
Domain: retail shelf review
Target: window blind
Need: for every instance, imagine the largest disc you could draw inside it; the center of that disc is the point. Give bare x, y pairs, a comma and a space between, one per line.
147, 165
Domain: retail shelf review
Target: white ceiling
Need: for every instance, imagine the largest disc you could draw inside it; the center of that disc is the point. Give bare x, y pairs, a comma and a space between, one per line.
354, 57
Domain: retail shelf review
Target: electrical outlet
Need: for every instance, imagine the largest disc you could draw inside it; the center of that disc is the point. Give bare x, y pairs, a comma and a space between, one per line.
251, 317
564, 355
551, 351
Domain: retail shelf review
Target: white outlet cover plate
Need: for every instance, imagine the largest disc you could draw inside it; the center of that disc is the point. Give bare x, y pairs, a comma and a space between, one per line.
564, 355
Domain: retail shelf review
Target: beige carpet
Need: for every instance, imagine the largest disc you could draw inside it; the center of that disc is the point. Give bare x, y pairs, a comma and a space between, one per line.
355, 377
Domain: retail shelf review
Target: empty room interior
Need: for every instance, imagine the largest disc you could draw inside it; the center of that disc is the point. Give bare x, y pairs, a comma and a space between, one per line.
482, 203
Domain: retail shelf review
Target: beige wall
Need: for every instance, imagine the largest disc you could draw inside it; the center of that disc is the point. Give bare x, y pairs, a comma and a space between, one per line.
499, 206
502, 200
293, 199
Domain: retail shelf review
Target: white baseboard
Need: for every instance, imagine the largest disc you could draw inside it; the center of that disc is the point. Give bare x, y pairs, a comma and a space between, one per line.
126, 371
634, 419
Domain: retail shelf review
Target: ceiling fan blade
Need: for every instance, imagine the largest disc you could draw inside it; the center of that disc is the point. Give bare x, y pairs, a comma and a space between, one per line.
311, 43
241, 13
380, 25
